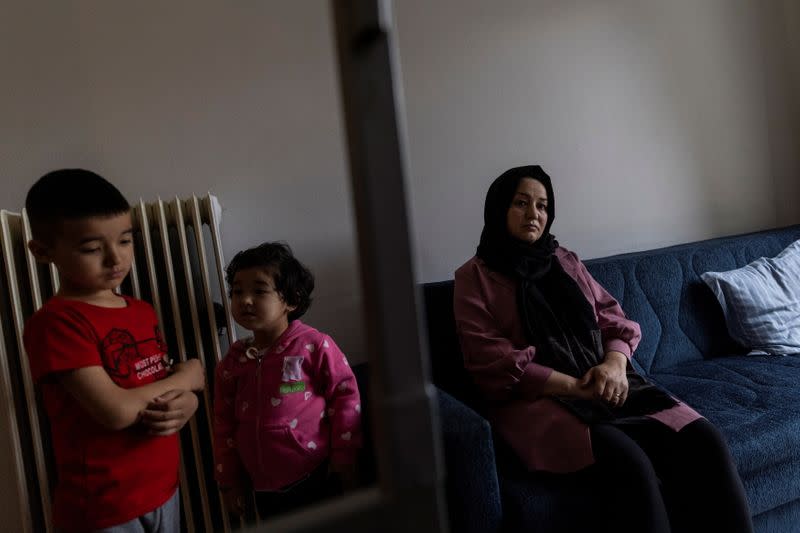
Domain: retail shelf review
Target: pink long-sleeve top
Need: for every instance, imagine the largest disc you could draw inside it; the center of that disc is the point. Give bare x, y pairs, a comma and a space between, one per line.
503, 365
278, 416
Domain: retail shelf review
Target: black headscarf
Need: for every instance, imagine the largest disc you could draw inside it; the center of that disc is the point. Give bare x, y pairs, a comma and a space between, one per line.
556, 316
498, 249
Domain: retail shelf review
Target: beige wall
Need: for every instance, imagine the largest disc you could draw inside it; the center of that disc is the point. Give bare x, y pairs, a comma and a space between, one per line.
185, 97
651, 117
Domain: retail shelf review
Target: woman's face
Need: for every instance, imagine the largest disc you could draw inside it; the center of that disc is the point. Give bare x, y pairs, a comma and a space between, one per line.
527, 215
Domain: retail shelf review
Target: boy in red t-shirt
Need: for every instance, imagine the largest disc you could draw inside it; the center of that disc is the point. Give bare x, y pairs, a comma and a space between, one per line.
114, 406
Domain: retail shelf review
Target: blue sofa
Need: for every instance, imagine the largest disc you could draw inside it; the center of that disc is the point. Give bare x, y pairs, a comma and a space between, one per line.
685, 348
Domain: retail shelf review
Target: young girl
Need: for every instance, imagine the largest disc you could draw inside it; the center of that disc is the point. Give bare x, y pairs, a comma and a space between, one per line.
286, 404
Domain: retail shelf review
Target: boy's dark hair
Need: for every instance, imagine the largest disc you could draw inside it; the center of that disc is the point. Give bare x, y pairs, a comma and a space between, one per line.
70, 193
293, 281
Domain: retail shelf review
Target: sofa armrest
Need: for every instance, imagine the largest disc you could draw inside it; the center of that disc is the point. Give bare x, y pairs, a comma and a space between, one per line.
473, 490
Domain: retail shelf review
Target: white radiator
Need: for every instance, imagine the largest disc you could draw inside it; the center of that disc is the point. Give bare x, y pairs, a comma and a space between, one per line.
178, 267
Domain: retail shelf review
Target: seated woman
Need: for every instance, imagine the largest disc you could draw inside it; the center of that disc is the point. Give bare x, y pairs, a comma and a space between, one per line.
550, 350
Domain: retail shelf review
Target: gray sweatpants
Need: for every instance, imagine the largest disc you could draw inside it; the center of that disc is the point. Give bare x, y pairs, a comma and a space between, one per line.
165, 519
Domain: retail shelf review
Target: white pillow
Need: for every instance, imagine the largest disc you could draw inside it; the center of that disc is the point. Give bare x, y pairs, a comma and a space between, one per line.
761, 302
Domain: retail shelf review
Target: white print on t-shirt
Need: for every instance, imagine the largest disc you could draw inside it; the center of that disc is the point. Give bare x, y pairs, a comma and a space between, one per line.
149, 366
292, 368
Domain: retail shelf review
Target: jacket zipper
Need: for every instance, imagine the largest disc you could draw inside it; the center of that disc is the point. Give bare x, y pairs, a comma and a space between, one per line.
258, 414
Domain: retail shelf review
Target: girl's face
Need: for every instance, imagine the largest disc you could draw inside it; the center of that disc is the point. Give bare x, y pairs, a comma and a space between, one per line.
256, 305
527, 215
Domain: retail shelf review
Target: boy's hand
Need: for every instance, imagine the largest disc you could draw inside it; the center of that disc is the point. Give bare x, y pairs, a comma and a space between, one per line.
168, 413
234, 499
194, 372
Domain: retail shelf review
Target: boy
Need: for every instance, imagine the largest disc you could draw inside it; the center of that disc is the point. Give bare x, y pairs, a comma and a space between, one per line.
100, 360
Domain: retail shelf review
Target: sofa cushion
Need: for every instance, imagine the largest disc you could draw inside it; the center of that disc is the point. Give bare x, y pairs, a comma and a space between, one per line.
755, 402
761, 302
447, 362
469, 456
661, 289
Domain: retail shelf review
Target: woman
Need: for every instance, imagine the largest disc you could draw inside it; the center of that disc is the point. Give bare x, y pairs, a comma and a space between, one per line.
549, 348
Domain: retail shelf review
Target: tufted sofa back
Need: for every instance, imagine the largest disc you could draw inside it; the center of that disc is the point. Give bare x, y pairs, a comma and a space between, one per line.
661, 289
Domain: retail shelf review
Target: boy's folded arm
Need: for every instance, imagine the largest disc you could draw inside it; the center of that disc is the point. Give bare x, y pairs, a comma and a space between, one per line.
115, 407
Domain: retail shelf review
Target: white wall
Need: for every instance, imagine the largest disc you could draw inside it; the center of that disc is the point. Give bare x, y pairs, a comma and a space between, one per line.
652, 118
782, 36
185, 97
43, 124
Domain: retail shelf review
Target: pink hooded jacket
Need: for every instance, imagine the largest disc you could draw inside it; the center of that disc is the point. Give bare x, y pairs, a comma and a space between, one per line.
278, 416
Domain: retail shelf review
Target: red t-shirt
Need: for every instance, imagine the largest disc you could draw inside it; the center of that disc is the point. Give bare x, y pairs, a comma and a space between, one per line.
105, 477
